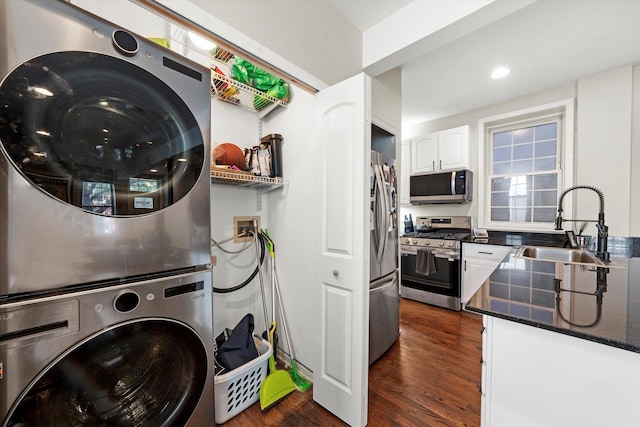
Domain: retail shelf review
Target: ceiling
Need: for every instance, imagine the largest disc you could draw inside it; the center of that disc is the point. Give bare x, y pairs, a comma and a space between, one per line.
546, 44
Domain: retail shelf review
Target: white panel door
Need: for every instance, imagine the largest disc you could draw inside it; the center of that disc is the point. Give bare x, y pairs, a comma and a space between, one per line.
342, 132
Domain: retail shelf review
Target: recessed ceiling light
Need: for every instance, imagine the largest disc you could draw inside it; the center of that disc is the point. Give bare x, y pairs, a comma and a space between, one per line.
499, 73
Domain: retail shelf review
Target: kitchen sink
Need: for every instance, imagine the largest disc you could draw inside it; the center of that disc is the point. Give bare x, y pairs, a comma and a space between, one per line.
564, 256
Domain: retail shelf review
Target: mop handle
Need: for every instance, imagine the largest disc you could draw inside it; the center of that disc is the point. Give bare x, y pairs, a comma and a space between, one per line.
284, 318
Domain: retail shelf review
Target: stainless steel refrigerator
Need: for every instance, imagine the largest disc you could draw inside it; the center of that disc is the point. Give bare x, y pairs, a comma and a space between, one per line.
384, 311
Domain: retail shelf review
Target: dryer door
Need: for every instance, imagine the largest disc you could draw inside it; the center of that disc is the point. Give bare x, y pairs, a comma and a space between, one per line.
142, 373
99, 133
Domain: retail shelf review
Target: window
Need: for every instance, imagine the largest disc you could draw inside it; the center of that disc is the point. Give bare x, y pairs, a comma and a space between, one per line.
142, 185
98, 197
525, 163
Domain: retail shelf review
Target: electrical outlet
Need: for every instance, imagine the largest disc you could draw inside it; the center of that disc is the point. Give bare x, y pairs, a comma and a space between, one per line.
244, 224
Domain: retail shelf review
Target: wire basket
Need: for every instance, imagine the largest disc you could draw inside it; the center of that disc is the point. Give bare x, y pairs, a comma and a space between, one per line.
236, 390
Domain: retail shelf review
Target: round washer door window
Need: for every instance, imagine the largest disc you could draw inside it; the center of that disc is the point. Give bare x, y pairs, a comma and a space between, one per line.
99, 133
147, 373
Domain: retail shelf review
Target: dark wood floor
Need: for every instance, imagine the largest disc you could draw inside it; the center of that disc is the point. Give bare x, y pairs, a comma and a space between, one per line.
430, 377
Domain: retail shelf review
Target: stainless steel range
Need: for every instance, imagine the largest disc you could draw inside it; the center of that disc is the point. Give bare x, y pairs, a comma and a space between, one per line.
430, 260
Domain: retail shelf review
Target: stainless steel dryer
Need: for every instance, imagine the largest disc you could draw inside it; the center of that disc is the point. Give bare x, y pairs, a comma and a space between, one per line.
131, 355
104, 152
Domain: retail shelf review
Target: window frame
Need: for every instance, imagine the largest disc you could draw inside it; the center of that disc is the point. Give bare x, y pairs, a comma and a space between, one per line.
563, 111
112, 194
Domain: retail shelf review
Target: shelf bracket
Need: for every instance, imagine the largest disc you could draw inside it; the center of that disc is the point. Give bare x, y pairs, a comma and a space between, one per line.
258, 200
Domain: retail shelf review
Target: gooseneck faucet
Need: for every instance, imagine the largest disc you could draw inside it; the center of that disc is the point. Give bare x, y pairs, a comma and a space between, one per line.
603, 230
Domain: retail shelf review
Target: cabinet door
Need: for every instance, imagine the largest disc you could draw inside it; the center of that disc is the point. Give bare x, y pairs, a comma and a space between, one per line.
424, 153
536, 377
453, 148
474, 274
479, 261
487, 340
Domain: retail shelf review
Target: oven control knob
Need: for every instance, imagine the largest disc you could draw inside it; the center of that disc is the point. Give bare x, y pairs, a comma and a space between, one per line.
442, 244
427, 242
450, 244
414, 241
407, 241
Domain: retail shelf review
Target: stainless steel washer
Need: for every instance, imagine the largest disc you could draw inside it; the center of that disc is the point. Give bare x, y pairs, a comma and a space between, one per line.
104, 152
131, 355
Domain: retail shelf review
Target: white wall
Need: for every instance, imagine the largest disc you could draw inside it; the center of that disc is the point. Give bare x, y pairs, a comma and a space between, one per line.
232, 124
606, 155
471, 118
285, 212
634, 224
127, 15
386, 99
292, 216
310, 34
603, 147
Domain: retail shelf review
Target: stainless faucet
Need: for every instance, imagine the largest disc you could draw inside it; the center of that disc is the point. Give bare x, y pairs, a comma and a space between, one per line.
603, 230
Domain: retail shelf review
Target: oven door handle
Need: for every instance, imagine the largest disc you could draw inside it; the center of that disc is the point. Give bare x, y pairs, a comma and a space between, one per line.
447, 255
450, 255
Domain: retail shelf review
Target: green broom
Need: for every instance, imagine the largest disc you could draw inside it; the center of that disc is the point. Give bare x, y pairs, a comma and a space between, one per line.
278, 384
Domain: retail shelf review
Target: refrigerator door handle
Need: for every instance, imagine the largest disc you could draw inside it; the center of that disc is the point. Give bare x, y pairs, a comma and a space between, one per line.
383, 285
382, 210
377, 235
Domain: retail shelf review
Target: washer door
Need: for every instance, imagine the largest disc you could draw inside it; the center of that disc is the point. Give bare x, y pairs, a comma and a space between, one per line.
99, 133
145, 373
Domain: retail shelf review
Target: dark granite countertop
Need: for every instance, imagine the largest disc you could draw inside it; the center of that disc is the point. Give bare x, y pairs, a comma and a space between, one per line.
527, 292
626, 247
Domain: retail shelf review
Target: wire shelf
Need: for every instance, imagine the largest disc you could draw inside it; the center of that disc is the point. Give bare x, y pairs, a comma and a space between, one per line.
246, 180
232, 91
223, 87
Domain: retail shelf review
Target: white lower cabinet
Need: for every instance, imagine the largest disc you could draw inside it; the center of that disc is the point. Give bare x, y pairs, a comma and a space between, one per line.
533, 377
478, 262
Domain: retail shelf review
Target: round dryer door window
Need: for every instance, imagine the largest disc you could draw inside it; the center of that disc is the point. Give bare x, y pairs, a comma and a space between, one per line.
147, 373
99, 133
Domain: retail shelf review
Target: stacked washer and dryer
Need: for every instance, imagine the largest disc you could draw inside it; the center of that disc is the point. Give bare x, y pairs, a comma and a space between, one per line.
105, 289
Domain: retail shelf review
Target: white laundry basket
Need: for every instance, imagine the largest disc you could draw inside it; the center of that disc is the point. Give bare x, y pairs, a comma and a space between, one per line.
236, 390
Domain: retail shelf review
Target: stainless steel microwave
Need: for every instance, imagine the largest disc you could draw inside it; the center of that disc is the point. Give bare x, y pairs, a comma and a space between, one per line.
454, 186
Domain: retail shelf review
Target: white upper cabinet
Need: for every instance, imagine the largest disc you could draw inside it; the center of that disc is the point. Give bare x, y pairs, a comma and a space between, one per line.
444, 150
